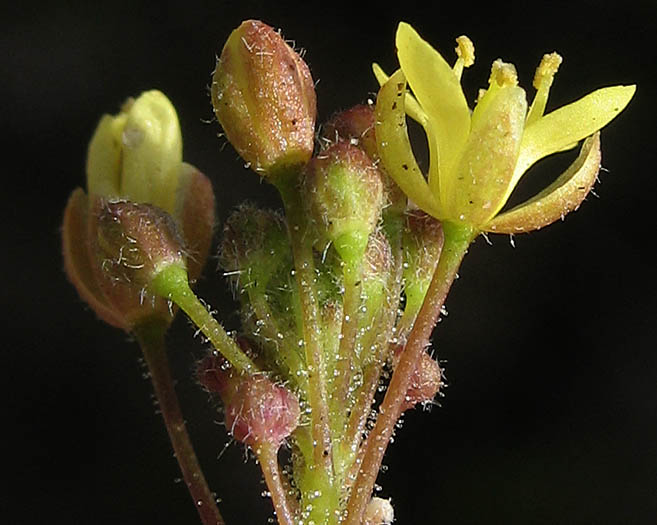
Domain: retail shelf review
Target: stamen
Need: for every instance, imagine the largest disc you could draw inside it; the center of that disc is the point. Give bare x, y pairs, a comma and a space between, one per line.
503, 74
546, 70
466, 56
542, 82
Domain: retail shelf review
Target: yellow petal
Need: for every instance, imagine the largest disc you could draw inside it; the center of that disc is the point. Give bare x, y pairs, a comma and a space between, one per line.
554, 202
394, 146
570, 124
482, 182
413, 109
152, 151
104, 157
438, 91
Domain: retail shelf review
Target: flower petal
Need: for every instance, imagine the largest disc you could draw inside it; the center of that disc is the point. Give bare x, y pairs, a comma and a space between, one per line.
438, 91
554, 202
413, 108
395, 148
568, 125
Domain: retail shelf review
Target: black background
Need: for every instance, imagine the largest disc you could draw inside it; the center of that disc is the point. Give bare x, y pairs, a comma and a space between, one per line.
551, 411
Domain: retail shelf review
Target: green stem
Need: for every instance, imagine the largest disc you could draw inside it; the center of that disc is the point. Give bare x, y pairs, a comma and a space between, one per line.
151, 340
318, 491
457, 240
171, 283
305, 275
351, 300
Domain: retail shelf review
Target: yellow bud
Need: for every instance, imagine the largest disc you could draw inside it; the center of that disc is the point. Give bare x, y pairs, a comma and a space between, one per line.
137, 154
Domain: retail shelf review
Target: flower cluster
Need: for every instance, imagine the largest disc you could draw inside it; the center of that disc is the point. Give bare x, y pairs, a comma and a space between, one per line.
343, 288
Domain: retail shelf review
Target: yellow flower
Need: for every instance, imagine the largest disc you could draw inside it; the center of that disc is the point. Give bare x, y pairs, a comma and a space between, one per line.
477, 157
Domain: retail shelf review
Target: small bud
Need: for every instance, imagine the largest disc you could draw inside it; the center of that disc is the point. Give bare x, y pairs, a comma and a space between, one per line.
425, 381
254, 246
135, 242
345, 196
356, 126
256, 410
379, 511
264, 98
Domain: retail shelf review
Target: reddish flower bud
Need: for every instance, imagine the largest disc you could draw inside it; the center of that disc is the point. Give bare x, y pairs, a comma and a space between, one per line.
354, 125
256, 410
345, 195
425, 382
264, 98
134, 242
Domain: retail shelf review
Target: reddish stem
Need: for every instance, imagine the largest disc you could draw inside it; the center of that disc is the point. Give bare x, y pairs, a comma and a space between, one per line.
151, 340
457, 240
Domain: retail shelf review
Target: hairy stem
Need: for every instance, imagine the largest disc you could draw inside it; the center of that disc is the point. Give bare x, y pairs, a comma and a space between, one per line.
457, 240
171, 283
283, 503
151, 339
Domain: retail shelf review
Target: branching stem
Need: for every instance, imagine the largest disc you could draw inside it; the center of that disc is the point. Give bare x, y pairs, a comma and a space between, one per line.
457, 240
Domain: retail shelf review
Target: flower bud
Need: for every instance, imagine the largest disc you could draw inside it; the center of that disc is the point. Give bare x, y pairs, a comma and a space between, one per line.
425, 381
356, 126
264, 98
134, 242
345, 196
254, 246
379, 511
137, 154
257, 411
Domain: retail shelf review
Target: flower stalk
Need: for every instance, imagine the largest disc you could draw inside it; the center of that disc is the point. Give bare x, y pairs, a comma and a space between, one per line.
151, 340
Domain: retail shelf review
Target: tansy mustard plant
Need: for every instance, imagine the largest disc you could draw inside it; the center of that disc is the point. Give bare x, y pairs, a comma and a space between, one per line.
346, 285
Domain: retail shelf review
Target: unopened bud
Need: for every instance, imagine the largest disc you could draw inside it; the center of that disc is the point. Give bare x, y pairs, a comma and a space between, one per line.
257, 411
345, 195
253, 247
379, 511
137, 154
357, 126
135, 242
264, 98
425, 381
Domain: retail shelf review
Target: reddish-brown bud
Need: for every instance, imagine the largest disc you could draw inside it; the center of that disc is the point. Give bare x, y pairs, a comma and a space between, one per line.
425, 381
264, 98
134, 242
354, 125
257, 411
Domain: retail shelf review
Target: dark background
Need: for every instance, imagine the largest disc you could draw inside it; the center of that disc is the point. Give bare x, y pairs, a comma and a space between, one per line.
551, 411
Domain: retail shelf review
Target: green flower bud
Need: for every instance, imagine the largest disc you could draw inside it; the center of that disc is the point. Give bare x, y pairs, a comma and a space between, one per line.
264, 98
254, 247
356, 126
345, 196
